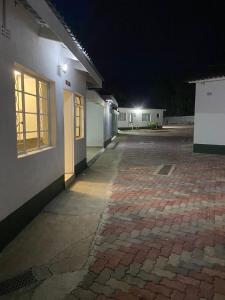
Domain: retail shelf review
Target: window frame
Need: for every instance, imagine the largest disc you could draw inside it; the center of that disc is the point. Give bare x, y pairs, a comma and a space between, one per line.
125, 116
38, 114
81, 116
149, 117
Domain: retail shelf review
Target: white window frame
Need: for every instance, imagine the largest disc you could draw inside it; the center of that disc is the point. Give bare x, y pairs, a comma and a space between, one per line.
81, 117
38, 114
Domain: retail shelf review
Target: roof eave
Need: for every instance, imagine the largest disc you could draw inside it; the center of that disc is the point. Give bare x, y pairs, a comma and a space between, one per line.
45, 12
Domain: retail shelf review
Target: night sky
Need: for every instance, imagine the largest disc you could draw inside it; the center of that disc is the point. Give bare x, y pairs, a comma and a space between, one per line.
146, 50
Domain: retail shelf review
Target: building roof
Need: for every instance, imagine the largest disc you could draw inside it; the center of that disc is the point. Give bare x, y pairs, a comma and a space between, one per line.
210, 73
46, 15
203, 79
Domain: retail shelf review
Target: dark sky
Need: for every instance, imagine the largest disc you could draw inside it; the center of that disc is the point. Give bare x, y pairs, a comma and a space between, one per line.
139, 46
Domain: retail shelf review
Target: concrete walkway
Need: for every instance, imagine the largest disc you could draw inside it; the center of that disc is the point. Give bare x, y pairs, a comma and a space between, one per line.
150, 221
57, 244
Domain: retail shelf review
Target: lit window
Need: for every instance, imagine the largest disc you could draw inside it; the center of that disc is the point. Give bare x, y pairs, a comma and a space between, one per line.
146, 117
79, 114
122, 116
32, 112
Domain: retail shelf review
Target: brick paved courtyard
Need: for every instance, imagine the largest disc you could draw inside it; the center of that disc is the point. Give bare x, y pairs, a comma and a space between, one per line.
162, 236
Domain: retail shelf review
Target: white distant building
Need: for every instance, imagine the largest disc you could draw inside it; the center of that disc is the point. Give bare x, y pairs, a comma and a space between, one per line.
139, 117
209, 133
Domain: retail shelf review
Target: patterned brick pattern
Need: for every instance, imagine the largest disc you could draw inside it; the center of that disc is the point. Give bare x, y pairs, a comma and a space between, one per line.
162, 237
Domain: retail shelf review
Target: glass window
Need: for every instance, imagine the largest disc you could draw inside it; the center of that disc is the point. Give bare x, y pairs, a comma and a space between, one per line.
146, 117
122, 116
79, 116
32, 113
157, 116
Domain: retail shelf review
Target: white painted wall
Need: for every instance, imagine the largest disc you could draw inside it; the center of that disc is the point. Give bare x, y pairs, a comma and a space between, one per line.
95, 124
179, 120
210, 113
22, 178
108, 125
137, 120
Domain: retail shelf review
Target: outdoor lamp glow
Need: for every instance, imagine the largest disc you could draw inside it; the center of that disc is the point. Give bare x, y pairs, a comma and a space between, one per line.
64, 68
138, 110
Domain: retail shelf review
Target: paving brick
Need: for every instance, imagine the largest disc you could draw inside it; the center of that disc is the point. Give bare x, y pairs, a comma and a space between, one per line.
104, 276
206, 290
148, 265
176, 295
219, 286
102, 289
119, 272
88, 279
134, 281
174, 284
119, 285
134, 269
142, 294
149, 277
83, 294
163, 273
159, 289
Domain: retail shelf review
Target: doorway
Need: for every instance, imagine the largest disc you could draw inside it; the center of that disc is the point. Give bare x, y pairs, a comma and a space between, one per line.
69, 135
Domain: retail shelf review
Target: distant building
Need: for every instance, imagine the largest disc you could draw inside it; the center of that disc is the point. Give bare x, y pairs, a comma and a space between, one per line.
209, 129
139, 117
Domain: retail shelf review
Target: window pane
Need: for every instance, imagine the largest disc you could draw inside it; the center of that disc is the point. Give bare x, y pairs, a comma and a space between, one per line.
31, 141
29, 85
18, 80
19, 122
43, 90
78, 100
20, 144
44, 140
31, 122
43, 106
77, 131
30, 104
43, 122
19, 103
77, 111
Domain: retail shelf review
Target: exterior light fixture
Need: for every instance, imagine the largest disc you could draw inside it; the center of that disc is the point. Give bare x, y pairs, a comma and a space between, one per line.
64, 68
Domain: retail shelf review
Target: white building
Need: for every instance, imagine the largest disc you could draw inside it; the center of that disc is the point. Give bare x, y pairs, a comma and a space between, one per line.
139, 117
101, 121
44, 74
209, 123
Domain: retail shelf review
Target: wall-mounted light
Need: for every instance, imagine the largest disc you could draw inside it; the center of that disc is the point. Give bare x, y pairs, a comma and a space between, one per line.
64, 68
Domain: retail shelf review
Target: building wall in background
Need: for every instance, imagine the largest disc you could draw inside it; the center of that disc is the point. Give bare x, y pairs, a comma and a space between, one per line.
137, 117
210, 115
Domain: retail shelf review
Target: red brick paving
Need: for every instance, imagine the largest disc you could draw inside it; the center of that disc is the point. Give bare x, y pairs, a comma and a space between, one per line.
164, 236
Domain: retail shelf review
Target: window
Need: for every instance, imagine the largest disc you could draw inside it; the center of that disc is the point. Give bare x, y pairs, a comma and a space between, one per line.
122, 116
32, 112
79, 114
157, 116
131, 117
146, 117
